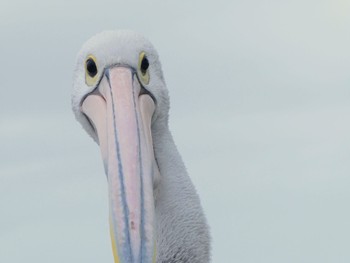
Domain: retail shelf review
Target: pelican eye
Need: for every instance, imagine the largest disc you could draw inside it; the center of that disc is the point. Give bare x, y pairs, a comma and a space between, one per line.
91, 67
144, 65
91, 70
143, 68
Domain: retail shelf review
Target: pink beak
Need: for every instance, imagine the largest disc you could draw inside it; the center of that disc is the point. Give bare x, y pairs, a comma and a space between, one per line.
122, 120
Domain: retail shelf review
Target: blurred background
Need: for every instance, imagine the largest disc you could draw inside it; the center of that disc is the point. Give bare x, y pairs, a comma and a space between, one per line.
260, 112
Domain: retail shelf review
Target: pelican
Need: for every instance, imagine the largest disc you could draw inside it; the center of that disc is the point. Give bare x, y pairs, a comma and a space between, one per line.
121, 100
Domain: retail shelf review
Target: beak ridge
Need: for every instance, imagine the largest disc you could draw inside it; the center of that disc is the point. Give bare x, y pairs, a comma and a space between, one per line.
122, 120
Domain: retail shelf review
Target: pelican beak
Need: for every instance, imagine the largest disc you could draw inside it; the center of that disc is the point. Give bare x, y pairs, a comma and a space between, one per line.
121, 115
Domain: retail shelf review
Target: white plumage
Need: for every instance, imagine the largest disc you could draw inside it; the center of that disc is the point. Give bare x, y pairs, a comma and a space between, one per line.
180, 228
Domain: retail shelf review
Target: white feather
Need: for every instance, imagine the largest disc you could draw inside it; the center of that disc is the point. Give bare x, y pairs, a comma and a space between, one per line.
181, 228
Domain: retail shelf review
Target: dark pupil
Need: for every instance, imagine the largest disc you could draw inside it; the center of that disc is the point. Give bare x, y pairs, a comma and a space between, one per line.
91, 67
144, 65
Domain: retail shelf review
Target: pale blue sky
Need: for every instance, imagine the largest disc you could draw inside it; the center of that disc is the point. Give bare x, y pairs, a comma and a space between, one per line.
260, 112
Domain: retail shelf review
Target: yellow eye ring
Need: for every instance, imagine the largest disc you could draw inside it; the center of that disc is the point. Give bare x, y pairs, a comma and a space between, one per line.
91, 70
143, 70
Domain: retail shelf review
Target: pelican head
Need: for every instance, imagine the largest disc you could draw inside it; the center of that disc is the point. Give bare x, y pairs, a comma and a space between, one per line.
121, 100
